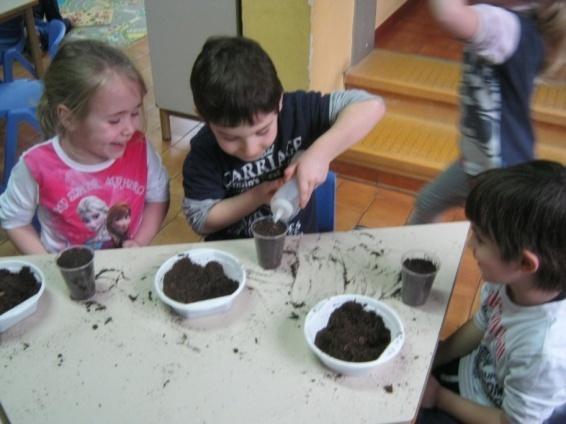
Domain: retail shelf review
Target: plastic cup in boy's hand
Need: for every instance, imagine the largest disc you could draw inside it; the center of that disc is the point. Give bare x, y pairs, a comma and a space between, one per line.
77, 267
269, 239
418, 270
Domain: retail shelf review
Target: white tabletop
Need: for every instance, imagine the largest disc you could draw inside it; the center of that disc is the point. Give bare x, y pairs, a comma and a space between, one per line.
127, 358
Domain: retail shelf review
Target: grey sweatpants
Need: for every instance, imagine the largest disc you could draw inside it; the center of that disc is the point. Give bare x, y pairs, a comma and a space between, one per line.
448, 190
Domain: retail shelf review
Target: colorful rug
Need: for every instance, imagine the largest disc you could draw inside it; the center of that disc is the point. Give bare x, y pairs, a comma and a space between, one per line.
118, 22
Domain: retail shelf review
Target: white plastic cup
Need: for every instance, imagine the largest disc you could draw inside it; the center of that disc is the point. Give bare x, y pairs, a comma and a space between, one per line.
418, 270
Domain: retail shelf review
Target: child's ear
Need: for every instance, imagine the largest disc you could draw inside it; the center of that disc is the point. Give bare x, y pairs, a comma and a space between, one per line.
65, 117
529, 262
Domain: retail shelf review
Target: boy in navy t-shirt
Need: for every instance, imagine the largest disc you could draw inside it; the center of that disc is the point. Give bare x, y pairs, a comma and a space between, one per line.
253, 132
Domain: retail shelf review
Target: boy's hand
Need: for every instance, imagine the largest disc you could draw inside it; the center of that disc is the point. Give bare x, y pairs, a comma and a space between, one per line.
430, 393
264, 192
310, 172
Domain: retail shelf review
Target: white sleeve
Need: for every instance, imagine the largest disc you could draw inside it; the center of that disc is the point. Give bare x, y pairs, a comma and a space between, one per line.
498, 33
19, 202
157, 177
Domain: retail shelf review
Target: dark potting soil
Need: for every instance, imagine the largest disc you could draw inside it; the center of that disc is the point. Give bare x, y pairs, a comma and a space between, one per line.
420, 266
188, 282
353, 334
269, 228
74, 258
15, 287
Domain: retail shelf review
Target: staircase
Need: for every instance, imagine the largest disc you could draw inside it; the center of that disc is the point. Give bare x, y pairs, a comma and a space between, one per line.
418, 136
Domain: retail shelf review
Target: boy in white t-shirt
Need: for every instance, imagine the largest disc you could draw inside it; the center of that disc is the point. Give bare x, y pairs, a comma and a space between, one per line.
508, 362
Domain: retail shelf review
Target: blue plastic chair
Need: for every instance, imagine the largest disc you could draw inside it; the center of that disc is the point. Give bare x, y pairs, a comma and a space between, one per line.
55, 33
326, 203
12, 43
18, 102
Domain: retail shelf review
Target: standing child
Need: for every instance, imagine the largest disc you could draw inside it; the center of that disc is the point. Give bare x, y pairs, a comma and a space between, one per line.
512, 353
505, 50
252, 135
97, 157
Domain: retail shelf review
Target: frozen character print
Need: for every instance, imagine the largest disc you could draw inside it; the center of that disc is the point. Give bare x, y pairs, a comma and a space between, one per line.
93, 212
118, 223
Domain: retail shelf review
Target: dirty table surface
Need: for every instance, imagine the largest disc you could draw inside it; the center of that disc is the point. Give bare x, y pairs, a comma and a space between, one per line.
124, 356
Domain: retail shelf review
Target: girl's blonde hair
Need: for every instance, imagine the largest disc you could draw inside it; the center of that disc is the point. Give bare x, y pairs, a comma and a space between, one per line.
551, 21
77, 71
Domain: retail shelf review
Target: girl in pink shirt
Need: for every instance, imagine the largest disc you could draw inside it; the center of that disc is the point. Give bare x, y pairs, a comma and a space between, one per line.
96, 157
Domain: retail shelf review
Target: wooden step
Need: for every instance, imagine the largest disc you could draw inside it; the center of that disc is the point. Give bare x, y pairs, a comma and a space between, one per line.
384, 71
406, 146
418, 136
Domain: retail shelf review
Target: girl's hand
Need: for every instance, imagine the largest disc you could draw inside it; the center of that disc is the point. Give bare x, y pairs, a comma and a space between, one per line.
130, 243
430, 393
310, 171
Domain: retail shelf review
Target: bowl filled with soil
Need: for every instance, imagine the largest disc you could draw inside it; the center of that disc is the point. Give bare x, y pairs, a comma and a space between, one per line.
200, 282
353, 334
21, 286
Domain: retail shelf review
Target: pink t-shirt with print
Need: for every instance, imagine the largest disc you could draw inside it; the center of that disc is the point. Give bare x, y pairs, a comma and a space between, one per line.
76, 203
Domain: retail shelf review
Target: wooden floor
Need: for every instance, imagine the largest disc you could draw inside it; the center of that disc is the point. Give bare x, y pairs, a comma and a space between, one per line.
358, 202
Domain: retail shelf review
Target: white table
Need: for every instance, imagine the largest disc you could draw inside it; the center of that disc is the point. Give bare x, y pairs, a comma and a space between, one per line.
127, 358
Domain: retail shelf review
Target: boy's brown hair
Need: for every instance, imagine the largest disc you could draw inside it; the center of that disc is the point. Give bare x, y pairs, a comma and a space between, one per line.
232, 80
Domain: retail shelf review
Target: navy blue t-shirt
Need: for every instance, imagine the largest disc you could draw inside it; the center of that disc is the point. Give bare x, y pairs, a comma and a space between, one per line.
209, 173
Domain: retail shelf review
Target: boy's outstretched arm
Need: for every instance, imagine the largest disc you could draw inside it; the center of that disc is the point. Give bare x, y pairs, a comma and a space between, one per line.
231, 210
352, 123
153, 216
456, 16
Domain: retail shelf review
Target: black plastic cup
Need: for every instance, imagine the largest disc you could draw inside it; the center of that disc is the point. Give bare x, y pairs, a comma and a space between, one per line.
77, 267
418, 270
269, 239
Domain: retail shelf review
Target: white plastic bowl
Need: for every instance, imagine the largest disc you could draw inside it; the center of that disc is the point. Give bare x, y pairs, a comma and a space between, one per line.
232, 268
28, 306
318, 317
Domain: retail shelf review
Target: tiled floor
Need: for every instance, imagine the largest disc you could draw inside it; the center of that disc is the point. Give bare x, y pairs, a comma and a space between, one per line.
358, 202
